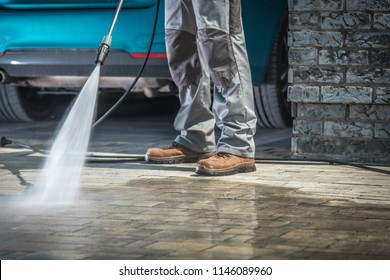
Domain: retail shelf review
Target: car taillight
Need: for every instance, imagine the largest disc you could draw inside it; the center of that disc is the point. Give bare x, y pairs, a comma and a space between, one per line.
151, 56
1, 55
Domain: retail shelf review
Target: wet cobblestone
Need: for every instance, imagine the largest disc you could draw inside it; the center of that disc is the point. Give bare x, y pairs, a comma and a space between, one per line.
133, 210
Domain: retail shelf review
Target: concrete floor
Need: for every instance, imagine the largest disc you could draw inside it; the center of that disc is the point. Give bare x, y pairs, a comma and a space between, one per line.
128, 209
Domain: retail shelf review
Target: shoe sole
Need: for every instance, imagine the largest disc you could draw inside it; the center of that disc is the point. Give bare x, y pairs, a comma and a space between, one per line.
224, 172
174, 160
171, 160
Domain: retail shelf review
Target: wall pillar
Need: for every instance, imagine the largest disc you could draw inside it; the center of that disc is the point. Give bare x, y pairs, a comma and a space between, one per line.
339, 79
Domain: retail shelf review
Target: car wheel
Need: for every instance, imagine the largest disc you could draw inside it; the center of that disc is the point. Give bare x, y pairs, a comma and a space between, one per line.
272, 108
24, 104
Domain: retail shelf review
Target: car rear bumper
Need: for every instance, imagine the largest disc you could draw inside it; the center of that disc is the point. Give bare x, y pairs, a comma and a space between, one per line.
59, 70
77, 62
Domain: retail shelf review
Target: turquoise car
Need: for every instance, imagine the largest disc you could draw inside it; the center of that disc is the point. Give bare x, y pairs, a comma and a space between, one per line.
48, 48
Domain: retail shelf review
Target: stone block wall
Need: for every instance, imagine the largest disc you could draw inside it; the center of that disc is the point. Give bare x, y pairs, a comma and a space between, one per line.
339, 79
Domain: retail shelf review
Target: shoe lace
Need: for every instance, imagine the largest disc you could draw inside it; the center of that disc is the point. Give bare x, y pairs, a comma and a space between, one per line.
174, 145
223, 155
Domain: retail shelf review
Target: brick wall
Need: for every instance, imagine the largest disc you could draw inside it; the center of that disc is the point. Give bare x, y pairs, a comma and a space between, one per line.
340, 79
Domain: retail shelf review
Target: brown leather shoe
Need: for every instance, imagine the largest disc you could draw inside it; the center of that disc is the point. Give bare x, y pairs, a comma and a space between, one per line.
225, 164
175, 153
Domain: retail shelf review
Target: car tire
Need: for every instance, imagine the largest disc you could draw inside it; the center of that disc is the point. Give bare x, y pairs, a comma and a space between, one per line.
271, 105
21, 104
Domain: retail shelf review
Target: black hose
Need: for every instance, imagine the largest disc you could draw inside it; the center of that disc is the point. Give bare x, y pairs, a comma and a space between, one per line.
91, 158
139, 72
301, 161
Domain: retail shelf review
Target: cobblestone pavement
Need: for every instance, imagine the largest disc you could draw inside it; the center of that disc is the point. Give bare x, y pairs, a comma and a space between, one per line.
128, 209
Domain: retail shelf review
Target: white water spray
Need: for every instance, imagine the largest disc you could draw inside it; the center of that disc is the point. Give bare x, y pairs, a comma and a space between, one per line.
60, 177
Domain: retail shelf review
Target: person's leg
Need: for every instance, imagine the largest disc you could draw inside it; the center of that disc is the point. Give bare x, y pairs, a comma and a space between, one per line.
194, 120
222, 41
234, 107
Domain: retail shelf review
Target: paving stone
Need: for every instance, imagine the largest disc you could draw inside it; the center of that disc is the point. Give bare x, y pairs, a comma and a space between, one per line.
132, 210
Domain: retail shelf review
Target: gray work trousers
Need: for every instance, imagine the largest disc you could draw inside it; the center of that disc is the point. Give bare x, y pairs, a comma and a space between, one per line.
205, 39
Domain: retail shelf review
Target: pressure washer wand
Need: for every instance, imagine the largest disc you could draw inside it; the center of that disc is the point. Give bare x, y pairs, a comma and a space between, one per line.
104, 47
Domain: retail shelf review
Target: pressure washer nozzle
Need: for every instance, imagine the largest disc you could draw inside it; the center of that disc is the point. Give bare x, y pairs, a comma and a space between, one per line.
103, 50
4, 141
